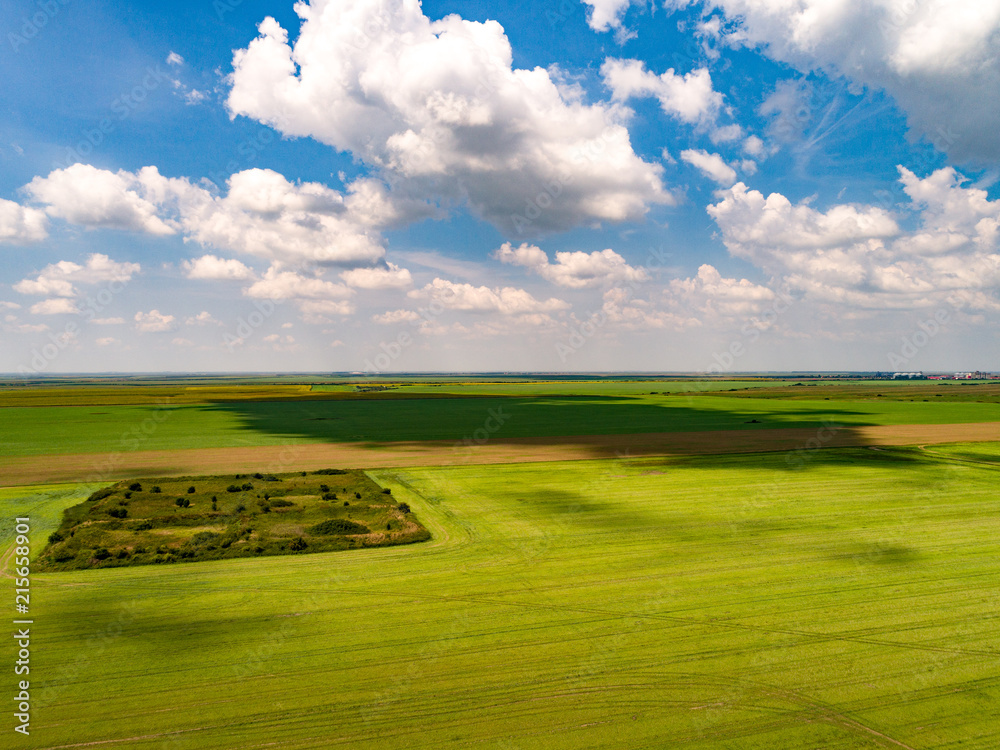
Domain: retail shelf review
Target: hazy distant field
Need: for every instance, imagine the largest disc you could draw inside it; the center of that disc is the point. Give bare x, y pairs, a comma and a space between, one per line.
704, 602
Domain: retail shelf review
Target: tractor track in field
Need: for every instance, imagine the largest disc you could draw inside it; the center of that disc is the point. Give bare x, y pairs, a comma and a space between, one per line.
20, 470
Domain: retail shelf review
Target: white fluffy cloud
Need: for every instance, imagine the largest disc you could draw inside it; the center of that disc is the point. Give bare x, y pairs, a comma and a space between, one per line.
279, 285
860, 255
262, 214
438, 105
60, 279
396, 317
153, 322
689, 97
390, 277
54, 306
20, 225
211, 267
710, 293
484, 299
575, 270
608, 14
939, 59
712, 166
94, 197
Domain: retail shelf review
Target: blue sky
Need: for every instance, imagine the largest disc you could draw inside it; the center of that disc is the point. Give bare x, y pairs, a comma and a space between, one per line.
394, 186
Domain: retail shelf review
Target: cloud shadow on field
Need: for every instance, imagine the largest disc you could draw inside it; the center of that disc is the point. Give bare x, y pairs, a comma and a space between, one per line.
603, 426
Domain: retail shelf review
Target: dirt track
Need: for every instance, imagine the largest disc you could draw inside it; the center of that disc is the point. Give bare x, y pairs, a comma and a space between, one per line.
107, 466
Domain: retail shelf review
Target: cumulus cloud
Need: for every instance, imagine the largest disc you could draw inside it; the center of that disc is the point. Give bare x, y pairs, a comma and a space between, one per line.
153, 322
94, 197
60, 279
710, 293
575, 270
262, 214
20, 225
390, 277
438, 106
937, 58
712, 166
277, 284
203, 318
859, 254
689, 97
54, 306
484, 299
107, 341
210, 267
396, 317
609, 14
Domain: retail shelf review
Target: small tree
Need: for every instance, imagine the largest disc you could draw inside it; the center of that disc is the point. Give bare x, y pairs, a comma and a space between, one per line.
156, 488
191, 490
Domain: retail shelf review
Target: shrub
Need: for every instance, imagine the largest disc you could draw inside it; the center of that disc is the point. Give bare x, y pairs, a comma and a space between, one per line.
258, 475
240, 508
329, 471
215, 504
357, 495
298, 544
281, 503
338, 526
55, 537
404, 507
232, 488
128, 495
387, 491
329, 495
101, 494
179, 502
191, 490
141, 526
324, 488
122, 554
101, 554
246, 486
118, 512
346, 503
135, 487
203, 538
155, 488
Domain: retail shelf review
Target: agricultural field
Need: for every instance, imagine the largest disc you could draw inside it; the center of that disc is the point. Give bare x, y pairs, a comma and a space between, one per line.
843, 599
237, 423
188, 519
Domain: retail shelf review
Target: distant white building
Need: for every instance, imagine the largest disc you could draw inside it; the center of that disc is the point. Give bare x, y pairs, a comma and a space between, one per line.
962, 376
907, 375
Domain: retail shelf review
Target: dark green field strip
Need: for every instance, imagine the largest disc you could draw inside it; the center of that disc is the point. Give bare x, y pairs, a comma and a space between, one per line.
468, 421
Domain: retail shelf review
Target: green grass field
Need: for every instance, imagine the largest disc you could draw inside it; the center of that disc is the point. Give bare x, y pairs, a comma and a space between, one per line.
100, 429
722, 602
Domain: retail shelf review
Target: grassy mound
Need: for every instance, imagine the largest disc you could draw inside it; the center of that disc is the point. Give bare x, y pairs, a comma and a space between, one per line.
146, 521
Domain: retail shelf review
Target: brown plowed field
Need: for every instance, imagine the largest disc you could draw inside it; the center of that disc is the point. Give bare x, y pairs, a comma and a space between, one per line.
96, 467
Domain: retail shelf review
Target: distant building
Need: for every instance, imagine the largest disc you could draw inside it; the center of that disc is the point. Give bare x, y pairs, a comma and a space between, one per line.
962, 376
907, 376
